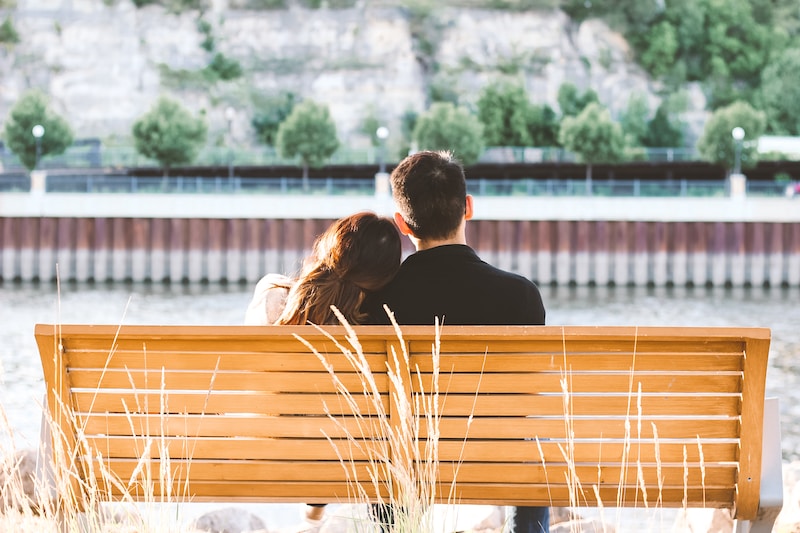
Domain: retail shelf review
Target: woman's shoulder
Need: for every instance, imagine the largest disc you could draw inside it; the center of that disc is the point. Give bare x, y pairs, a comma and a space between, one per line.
269, 299
271, 281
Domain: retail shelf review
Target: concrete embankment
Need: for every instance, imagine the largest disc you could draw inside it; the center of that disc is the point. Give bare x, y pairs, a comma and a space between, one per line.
558, 240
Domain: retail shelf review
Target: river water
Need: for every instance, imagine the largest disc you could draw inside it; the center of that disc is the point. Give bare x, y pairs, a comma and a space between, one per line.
24, 304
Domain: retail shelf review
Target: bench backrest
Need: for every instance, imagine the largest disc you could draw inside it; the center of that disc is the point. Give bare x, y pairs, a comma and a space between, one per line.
547, 415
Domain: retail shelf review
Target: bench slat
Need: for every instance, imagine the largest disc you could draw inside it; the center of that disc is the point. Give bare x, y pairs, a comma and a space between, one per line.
253, 492
177, 425
233, 470
619, 362
586, 345
452, 405
570, 496
217, 402
471, 451
223, 361
588, 404
319, 381
224, 448
286, 381
586, 450
511, 494
449, 428
507, 427
516, 381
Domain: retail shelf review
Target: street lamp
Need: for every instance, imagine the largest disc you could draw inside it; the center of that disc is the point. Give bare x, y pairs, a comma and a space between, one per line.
382, 133
230, 113
738, 134
38, 132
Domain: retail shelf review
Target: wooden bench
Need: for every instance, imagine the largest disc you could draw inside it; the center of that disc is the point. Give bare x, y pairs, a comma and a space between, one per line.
543, 416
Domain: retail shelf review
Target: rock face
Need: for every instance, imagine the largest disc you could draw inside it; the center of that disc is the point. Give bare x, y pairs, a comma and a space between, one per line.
104, 62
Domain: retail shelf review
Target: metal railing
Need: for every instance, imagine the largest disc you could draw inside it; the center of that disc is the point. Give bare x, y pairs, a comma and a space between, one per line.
112, 184
94, 154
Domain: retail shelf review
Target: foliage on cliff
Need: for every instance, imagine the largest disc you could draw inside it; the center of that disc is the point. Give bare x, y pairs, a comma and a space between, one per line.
724, 44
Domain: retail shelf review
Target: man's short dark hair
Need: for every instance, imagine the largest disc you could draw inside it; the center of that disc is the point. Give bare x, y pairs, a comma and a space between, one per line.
430, 191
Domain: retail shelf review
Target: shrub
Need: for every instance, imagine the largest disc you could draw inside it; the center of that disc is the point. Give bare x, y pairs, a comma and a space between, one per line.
224, 68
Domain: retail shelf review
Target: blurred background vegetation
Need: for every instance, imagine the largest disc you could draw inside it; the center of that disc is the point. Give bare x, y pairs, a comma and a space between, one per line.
745, 54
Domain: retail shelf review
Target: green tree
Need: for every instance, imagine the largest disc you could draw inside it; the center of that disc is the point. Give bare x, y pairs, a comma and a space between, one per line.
634, 120
572, 101
503, 108
308, 133
270, 111
169, 134
780, 93
594, 137
447, 127
664, 130
543, 125
30, 110
718, 146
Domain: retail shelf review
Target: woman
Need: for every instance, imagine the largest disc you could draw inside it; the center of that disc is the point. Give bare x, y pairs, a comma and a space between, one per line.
355, 255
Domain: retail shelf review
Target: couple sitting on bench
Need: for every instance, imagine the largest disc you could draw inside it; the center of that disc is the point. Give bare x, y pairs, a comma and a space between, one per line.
355, 266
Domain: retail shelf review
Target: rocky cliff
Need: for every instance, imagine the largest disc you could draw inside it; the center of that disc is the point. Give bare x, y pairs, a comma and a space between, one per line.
104, 62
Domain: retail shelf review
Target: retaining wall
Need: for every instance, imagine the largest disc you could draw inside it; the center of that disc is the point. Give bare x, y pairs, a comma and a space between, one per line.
620, 252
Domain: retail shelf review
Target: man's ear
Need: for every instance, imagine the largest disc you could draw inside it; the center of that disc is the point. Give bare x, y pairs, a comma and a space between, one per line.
401, 224
468, 212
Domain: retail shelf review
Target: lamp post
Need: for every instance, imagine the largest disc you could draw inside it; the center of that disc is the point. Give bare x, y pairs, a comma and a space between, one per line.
230, 113
738, 135
382, 133
38, 133
382, 189
738, 183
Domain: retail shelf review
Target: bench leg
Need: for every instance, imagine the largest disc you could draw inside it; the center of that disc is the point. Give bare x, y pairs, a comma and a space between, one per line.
771, 494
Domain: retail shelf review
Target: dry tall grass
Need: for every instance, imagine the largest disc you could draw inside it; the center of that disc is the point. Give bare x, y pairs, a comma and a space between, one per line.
403, 463
43, 491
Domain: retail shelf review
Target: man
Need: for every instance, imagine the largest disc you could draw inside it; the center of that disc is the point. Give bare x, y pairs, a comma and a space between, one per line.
445, 278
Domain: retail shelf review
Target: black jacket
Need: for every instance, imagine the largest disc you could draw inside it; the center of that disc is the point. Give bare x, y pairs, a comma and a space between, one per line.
453, 283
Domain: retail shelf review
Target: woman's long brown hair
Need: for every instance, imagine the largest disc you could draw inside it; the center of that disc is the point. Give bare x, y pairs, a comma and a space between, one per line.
356, 254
